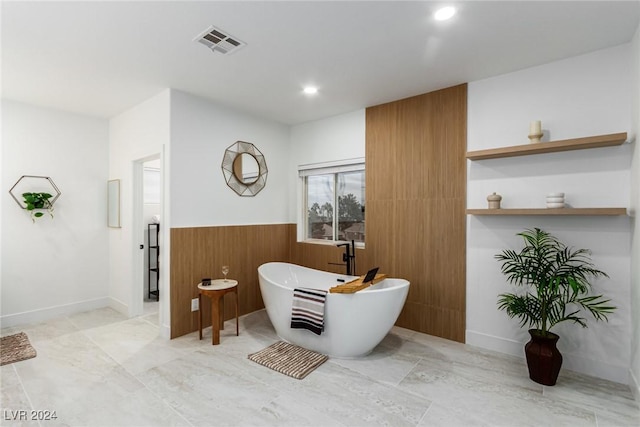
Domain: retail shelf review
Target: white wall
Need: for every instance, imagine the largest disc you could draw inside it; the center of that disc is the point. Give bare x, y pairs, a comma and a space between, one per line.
55, 266
635, 203
581, 96
335, 138
139, 133
201, 131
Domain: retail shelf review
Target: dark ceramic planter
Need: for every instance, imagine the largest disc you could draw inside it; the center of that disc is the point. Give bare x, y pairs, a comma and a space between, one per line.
543, 358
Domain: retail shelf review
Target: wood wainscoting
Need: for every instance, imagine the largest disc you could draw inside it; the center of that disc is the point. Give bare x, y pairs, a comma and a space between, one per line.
416, 191
200, 252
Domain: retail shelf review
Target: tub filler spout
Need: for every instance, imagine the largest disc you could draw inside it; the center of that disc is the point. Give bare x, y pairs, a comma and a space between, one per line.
349, 257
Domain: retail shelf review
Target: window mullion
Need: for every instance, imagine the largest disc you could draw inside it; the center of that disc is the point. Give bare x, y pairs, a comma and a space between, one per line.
335, 207
305, 208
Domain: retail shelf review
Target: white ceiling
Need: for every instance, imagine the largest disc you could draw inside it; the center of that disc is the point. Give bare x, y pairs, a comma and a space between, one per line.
101, 58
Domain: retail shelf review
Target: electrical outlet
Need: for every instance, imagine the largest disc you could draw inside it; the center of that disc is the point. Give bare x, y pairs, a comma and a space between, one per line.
195, 306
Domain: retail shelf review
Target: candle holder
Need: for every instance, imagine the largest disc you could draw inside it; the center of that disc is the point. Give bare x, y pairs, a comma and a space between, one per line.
535, 137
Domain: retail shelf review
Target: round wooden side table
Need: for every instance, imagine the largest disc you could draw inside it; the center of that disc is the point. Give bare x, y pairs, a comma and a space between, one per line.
216, 292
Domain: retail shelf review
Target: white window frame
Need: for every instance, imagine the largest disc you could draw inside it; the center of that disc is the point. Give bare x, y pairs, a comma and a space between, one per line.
326, 168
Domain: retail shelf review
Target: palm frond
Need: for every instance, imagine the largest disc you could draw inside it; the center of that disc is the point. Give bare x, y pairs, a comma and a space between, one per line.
522, 307
597, 306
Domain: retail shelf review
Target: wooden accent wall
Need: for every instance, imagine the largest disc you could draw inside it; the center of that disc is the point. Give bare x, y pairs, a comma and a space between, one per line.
415, 223
200, 252
415, 218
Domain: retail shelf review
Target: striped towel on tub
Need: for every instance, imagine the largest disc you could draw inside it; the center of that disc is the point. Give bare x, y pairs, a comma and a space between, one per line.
307, 311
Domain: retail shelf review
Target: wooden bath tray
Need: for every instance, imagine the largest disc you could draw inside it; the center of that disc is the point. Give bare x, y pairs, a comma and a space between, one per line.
356, 285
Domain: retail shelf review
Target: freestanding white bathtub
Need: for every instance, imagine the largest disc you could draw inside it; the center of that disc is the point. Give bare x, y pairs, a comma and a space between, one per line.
353, 323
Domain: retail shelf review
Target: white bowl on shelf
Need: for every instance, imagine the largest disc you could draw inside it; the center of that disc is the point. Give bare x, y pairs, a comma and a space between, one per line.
555, 199
555, 195
555, 205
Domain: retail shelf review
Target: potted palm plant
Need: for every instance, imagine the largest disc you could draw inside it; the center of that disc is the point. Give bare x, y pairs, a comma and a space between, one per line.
554, 282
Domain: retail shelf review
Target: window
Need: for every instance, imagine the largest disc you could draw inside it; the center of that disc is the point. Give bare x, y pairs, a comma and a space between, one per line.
333, 202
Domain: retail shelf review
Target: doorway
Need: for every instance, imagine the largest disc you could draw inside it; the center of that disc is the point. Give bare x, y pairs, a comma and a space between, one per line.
151, 209
147, 209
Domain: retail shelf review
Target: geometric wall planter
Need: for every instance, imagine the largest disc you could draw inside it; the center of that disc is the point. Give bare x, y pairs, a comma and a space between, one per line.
35, 184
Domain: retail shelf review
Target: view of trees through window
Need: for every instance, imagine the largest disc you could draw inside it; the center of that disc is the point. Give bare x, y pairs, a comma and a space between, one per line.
335, 206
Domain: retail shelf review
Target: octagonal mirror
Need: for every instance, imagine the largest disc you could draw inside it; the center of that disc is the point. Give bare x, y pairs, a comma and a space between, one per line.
244, 168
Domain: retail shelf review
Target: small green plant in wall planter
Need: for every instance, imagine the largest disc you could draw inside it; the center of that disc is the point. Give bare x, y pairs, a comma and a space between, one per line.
35, 202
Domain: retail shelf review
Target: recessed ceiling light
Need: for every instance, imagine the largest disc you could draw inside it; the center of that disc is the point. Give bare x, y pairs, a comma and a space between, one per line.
310, 90
444, 13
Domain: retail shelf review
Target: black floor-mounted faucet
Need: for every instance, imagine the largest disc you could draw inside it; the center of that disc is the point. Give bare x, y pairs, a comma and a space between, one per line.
349, 257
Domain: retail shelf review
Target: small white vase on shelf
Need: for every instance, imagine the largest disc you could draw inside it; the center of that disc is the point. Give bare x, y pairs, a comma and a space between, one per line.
535, 131
555, 200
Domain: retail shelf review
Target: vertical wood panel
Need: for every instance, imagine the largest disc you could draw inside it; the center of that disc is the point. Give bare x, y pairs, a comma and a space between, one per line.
408, 244
411, 169
416, 225
380, 238
381, 125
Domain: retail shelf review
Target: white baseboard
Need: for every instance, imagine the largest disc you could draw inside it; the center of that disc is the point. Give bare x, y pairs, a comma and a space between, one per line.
596, 368
165, 332
119, 306
491, 342
44, 314
572, 362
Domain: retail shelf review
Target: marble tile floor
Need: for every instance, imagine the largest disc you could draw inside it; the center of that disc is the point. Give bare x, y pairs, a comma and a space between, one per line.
101, 369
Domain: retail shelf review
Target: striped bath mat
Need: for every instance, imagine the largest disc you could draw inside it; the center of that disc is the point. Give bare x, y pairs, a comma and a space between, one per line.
307, 309
289, 359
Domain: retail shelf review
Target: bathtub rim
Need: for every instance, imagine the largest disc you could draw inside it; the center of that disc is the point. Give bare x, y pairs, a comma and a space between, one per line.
398, 283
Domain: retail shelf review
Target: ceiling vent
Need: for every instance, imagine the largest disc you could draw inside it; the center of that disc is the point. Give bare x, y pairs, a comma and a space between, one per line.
219, 41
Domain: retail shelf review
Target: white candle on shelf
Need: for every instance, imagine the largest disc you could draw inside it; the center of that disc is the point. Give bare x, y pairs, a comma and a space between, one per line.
535, 127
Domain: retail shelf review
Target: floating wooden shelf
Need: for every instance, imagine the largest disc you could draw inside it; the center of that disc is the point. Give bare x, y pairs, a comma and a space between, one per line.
550, 147
546, 211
